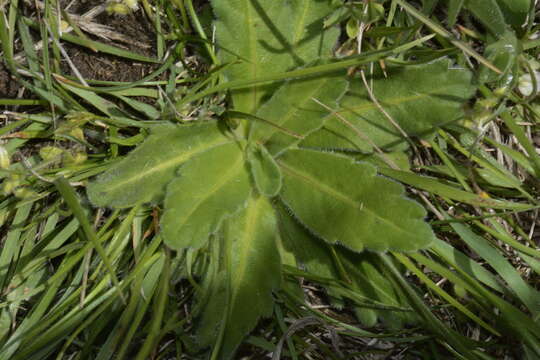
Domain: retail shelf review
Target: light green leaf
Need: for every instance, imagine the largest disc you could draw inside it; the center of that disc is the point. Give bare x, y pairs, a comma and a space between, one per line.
268, 37
253, 271
344, 202
265, 172
293, 107
144, 173
211, 186
419, 98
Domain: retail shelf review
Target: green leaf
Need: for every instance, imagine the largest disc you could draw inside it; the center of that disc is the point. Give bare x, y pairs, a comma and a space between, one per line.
503, 54
527, 294
211, 186
268, 37
311, 253
293, 108
419, 98
144, 173
359, 272
454, 7
265, 171
344, 202
515, 11
489, 14
252, 272
372, 280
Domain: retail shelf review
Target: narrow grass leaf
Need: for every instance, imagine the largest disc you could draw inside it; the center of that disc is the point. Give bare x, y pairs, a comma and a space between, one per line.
522, 290
437, 187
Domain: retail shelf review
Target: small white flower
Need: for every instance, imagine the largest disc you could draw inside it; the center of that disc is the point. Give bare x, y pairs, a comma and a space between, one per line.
525, 84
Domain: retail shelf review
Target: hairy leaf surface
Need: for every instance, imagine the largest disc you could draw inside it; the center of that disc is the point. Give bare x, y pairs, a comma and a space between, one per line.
211, 186
265, 171
419, 98
345, 202
253, 271
144, 173
293, 107
269, 37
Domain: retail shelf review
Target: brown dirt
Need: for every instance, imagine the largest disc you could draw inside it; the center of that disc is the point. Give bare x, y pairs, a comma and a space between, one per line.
8, 85
99, 66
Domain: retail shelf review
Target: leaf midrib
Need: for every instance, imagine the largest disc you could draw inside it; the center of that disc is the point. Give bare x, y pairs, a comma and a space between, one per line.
254, 61
248, 236
300, 26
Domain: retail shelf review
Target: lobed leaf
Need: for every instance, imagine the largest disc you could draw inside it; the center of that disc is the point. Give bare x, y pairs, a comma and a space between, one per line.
211, 186
418, 98
349, 204
269, 37
143, 174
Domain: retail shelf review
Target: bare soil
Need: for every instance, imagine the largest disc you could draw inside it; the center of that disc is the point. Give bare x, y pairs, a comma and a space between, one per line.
96, 65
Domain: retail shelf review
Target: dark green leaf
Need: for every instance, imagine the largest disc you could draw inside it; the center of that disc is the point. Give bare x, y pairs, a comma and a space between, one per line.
489, 14
515, 11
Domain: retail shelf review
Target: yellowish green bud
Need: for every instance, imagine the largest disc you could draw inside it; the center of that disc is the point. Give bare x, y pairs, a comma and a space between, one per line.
50, 153
5, 161
117, 8
132, 4
23, 193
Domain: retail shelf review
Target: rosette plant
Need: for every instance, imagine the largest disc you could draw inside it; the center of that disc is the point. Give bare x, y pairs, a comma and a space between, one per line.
279, 179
